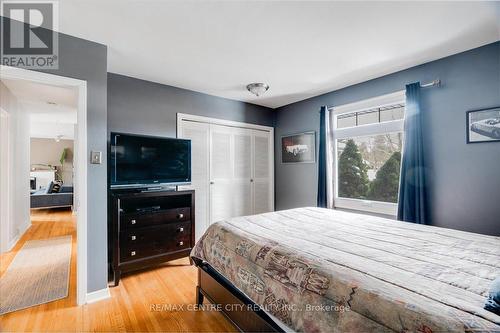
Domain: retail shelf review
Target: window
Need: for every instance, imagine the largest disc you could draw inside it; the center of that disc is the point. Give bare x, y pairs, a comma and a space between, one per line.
367, 139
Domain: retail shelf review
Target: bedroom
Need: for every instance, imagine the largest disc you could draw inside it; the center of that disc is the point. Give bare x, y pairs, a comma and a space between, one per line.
286, 144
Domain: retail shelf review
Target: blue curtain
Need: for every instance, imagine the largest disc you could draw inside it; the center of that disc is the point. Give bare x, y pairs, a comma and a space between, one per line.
322, 191
412, 186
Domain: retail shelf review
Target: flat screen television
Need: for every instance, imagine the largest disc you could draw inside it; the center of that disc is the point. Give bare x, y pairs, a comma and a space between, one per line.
141, 161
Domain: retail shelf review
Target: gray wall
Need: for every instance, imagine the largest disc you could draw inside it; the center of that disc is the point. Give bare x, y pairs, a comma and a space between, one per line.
86, 60
464, 179
143, 107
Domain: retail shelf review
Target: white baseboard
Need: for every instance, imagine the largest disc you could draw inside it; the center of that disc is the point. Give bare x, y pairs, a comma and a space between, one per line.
13, 242
97, 295
16, 239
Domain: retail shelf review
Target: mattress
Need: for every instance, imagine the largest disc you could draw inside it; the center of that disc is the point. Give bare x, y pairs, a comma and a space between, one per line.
321, 270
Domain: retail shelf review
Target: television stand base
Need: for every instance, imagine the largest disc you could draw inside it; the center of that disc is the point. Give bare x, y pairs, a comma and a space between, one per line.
149, 228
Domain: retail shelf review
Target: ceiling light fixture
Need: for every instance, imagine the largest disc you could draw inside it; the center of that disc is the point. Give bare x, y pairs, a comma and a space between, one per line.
257, 88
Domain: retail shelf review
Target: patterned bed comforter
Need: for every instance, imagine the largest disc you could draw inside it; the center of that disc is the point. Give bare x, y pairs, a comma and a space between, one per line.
320, 270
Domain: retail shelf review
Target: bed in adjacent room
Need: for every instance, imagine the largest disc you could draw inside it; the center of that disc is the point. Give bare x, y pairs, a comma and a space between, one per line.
320, 270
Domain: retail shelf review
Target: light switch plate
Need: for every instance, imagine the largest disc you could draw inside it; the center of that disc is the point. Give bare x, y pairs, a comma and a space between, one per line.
95, 157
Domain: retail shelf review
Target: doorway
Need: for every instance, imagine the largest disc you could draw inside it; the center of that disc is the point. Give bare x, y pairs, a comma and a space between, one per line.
79, 169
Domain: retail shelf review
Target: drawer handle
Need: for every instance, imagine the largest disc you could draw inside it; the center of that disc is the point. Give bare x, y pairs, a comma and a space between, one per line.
133, 237
180, 216
181, 243
133, 222
132, 253
181, 229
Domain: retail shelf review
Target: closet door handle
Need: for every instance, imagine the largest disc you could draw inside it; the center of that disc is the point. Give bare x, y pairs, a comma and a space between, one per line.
251, 180
212, 182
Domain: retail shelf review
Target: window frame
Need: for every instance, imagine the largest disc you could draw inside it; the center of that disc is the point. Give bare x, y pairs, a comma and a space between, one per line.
393, 126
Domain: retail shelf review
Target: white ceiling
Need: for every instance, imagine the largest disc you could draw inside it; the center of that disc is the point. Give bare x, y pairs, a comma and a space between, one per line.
300, 48
43, 93
52, 109
47, 130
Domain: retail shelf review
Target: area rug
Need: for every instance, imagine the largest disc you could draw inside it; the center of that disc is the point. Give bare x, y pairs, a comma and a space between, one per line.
38, 274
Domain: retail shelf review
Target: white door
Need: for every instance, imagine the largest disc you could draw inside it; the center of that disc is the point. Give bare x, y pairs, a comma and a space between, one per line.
262, 172
232, 169
198, 133
221, 172
242, 191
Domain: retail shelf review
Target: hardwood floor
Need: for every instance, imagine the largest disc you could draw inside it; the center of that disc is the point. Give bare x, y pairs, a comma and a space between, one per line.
153, 300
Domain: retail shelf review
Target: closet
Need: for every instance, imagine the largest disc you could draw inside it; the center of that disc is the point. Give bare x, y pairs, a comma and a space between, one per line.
232, 167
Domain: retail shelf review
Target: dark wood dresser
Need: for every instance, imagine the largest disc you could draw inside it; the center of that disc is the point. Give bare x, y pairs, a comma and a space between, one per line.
148, 228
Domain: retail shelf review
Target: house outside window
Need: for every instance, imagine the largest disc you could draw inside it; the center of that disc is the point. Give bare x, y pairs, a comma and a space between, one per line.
367, 142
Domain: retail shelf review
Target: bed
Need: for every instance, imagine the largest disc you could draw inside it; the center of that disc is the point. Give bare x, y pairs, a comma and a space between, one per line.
320, 270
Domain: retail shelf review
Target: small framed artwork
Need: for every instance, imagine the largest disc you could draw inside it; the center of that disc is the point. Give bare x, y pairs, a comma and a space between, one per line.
483, 125
298, 148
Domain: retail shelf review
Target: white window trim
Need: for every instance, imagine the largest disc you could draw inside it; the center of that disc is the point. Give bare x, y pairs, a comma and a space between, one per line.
369, 206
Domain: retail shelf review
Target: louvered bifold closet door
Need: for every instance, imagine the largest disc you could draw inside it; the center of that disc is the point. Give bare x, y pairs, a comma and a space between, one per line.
199, 134
242, 172
230, 172
262, 172
221, 172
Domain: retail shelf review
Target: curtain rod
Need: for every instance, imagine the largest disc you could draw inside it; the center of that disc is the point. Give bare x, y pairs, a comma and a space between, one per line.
435, 83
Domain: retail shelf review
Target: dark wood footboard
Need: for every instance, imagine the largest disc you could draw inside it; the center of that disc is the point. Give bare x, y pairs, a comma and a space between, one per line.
239, 309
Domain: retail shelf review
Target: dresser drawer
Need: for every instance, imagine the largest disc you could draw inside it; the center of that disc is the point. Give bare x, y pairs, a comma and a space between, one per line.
140, 220
147, 242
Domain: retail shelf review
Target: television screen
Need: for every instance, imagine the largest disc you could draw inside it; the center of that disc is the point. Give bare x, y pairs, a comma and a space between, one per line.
144, 160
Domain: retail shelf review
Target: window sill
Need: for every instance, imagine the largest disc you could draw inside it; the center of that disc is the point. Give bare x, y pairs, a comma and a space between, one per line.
367, 206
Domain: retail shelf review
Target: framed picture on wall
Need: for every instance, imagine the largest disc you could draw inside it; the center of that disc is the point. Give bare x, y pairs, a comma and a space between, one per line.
298, 148
483, 125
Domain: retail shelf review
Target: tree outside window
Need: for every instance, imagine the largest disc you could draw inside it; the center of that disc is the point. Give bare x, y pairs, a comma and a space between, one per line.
369, 167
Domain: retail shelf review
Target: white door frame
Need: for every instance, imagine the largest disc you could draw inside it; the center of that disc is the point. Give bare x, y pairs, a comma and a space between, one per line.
5, 169
14, 73
217, 121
